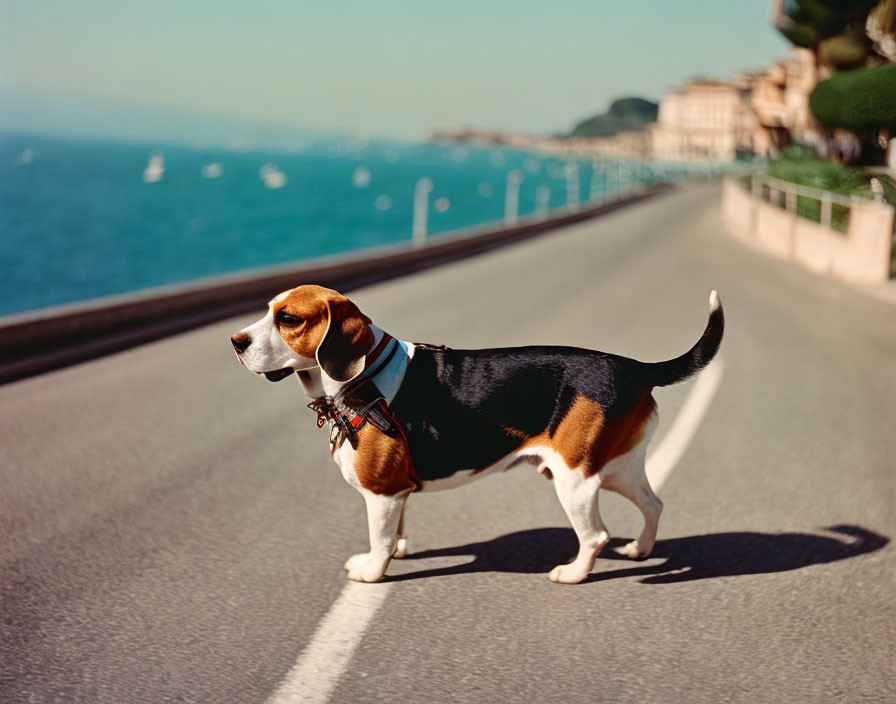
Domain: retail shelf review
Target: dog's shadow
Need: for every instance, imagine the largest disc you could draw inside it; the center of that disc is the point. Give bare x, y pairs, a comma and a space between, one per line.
683, 559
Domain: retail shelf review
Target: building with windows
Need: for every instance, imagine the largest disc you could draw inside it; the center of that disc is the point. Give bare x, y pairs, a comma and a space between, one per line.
698, 122
706, 121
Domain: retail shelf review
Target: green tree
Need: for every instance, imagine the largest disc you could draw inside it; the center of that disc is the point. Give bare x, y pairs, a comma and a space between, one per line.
860, 94
833, 29
861, 101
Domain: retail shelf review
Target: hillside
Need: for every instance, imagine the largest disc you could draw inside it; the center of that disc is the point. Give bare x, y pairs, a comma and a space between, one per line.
624, 114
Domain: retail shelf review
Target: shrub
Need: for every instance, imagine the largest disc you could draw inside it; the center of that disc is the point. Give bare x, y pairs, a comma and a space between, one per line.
861, 100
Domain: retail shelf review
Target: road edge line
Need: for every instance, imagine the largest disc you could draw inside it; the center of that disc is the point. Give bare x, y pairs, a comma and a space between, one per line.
317, 671
673, 445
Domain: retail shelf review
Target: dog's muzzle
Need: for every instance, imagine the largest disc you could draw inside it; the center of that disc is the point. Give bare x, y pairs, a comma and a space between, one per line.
241, 342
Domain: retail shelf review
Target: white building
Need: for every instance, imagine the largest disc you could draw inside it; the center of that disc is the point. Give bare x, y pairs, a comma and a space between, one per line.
714, 120
699, 122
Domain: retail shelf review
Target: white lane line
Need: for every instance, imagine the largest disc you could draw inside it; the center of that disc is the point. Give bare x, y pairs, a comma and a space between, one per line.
667, 454
314, 676
316, 673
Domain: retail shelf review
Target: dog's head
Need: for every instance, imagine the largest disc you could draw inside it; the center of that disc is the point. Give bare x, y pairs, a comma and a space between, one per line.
305, 328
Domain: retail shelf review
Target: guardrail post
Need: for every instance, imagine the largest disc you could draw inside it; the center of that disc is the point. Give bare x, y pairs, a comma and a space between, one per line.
512, 199
791, 201
826, 209
593, 192
542, 200
571, 171
421, 210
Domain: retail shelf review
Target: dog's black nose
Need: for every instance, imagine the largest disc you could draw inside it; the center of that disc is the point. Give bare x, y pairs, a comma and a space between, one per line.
240, 341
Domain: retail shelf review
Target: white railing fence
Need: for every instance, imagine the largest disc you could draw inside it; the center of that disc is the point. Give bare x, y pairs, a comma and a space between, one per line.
851, 237
610, 180
786, 194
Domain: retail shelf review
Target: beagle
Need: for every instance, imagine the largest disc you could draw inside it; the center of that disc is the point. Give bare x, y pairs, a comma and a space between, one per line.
414, 417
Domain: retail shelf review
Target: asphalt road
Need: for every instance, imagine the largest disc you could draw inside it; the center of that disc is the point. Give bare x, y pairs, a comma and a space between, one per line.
172, 528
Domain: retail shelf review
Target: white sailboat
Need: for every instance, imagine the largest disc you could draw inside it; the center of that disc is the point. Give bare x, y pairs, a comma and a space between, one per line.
155, 168
361, 177
272, 176
213, 170
26, 157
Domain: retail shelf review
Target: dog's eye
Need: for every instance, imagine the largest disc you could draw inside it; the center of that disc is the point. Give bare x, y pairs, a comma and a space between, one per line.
285, 318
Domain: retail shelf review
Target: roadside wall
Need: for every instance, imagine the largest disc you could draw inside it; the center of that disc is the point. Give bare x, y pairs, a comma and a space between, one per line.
861, 255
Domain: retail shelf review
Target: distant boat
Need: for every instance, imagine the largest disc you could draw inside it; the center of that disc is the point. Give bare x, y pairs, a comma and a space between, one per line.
26, 157
155, 168
272, 176
275, 180
212, 170
532, 165
460, 154
361, 177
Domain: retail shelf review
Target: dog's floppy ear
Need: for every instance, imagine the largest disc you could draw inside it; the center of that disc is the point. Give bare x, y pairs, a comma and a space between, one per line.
348, 339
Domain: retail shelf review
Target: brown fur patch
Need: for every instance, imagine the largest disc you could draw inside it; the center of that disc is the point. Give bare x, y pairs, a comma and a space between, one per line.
310, 304
320, 308
586, 439
382, 464
578, 432
620, 435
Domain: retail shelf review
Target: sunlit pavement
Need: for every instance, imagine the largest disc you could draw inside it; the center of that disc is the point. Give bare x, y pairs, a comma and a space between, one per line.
173, 529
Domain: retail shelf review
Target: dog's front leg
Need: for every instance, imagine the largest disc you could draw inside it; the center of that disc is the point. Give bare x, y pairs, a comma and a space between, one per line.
401, 547
383, 516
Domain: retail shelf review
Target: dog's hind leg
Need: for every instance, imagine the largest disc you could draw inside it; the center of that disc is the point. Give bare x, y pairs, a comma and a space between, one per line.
640, 493
626, 476
578, 496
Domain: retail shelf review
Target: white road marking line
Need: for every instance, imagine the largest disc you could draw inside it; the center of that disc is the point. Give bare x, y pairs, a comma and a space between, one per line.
667, 454
316, 673
318, 669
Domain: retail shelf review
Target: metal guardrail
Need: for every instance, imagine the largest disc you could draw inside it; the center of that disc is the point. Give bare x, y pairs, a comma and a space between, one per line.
48, 338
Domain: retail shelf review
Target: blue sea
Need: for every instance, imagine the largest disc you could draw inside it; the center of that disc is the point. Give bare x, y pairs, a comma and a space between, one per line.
83, 218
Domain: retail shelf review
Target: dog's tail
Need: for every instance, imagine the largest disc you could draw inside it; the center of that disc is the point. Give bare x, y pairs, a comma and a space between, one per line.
701, 354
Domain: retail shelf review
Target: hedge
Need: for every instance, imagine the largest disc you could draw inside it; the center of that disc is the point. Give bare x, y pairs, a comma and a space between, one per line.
859, 100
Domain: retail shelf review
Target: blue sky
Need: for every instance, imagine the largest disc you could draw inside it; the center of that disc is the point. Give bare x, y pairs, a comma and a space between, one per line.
377, 67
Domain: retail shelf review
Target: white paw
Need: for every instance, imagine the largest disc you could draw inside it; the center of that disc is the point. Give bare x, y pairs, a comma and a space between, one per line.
401, 548
632, 550
371, 570
356, 561
572, 573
